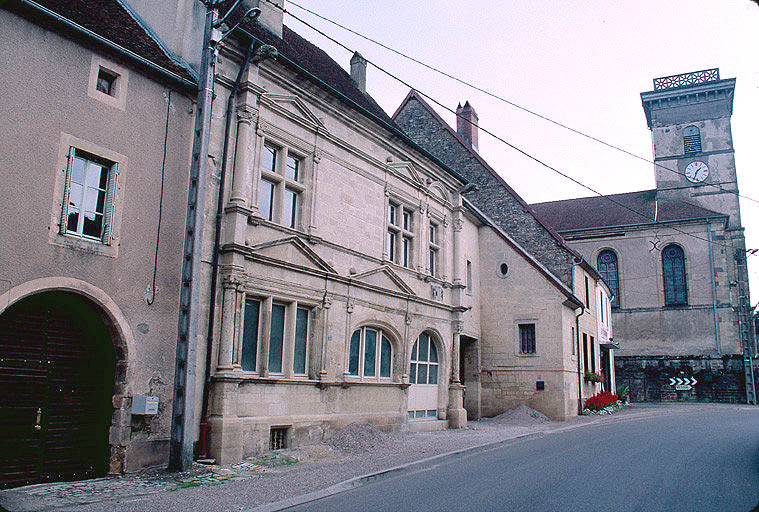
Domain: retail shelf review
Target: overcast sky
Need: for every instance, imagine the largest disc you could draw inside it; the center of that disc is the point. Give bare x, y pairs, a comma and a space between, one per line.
581, 63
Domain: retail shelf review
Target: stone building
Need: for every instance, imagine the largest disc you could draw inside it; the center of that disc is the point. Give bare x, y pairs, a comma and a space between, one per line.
674, 256
95, 150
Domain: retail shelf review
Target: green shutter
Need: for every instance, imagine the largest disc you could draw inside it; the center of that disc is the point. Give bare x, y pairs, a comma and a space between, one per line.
63, 221
110, 200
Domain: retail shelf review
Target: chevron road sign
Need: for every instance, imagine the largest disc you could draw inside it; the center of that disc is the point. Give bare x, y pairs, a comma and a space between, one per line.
682, 384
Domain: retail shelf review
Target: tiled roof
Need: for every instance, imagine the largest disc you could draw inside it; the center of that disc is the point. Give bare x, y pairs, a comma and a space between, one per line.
111, 20
600, 212
314, 61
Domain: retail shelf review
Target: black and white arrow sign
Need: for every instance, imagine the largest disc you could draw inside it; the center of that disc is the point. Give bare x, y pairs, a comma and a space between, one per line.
682, 384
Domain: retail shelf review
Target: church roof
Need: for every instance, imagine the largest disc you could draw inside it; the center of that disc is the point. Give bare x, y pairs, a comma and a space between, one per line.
106, 21
617, 210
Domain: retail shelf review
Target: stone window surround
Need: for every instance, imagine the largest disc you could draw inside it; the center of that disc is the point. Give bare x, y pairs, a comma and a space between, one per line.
399, 231
393, 354
55, 236
281, 183
518, 341
118, 97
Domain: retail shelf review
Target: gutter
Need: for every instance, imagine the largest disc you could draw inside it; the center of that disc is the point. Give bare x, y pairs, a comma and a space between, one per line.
643, 224
714, 286
579, 360
179, 80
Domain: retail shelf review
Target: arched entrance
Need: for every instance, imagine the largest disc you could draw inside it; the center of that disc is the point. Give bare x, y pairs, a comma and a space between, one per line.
57, 364
423, 375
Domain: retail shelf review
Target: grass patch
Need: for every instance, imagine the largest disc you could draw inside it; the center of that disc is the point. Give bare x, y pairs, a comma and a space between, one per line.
277, 459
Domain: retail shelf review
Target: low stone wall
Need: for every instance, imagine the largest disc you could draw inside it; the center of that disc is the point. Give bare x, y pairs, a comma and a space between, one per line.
719, 379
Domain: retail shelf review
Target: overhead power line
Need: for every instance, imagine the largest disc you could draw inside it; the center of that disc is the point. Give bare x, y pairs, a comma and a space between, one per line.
507, 101
492, 134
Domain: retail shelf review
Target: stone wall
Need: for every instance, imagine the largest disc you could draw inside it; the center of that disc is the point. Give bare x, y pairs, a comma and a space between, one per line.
719, 379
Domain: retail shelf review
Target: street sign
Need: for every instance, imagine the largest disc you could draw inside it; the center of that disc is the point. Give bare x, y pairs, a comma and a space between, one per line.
682, 384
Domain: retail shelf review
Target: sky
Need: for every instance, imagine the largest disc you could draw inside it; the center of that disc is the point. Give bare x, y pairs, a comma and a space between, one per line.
581, 63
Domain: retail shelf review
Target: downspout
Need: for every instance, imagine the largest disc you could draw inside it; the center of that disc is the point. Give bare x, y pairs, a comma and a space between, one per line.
714, 286
579, 357
203, 449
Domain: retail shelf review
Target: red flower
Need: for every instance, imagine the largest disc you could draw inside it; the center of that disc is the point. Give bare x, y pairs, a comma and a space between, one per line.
600, 400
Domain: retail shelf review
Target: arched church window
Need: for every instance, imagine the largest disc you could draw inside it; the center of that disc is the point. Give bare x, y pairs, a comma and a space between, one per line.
673, 268
370, 353
607, 267
424, 361
691, 140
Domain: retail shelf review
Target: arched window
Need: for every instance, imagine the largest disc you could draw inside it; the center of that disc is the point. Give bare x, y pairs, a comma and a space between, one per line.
673, 269
370, 354
424, 361
607, 267
691, 139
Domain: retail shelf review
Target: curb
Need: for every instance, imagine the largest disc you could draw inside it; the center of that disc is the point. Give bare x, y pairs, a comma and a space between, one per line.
425, 463
409, 467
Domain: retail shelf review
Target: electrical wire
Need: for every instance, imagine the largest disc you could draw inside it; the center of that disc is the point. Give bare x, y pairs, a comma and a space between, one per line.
505, 100
492, 134
160, 200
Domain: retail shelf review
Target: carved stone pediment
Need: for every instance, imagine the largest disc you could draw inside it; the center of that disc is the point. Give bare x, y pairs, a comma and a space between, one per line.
294, 108
294, 251
406, 170
384, 277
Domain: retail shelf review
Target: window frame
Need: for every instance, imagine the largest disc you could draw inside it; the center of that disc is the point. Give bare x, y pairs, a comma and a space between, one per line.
434, 244
120, 74
282, 185
611, 277
401, 220
262, 352
381, 335
674, 290
526, 344
415, 361
58, 234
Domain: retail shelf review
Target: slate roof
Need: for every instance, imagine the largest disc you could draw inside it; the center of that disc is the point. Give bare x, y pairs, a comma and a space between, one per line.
600, 212
111, 20
315, 61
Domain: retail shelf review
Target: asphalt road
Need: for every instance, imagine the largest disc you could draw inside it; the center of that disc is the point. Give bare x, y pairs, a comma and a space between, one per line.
700, 459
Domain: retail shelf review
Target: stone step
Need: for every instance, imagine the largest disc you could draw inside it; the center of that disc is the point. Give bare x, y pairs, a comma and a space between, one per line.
427, 425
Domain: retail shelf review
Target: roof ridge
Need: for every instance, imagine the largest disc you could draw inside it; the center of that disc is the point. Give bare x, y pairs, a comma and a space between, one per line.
176, 59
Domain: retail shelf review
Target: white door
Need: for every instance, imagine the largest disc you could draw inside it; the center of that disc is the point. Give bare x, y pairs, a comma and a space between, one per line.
423, 375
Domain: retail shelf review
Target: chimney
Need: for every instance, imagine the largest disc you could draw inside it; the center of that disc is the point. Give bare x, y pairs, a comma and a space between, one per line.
466, 124
271, 13
358, 71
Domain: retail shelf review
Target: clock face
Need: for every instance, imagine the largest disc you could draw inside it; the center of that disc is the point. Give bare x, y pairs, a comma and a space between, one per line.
696, 172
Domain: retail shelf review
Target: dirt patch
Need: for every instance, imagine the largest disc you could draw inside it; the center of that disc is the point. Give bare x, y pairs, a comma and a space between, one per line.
520, 415
357, 438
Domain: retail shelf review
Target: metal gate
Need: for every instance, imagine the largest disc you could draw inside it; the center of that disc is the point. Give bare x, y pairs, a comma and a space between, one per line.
54, 391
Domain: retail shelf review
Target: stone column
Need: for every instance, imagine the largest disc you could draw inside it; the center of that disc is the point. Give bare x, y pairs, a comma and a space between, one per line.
228, 317
243, 153
458, 225
326, 305
312, 227
456, 412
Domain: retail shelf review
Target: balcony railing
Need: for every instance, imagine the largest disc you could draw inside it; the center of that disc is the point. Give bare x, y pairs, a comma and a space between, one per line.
686, 79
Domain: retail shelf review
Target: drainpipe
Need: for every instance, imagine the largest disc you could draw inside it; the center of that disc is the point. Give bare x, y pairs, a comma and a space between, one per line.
714, 286
262, 52
579, 358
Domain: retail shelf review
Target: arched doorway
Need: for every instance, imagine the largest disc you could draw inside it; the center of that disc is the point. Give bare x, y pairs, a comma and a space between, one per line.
423, 374
57, 364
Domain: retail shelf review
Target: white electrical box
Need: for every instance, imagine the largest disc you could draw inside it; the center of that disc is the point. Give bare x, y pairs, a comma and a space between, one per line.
144, 404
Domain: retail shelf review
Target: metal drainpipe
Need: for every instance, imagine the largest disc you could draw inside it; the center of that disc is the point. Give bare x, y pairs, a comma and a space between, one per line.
203, 449
579, 360
714, 286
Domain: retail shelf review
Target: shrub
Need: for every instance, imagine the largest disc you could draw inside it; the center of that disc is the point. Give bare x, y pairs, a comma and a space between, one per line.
600, 400
622, 391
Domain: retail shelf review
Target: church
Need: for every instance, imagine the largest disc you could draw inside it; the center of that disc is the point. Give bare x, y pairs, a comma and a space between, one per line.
675, 257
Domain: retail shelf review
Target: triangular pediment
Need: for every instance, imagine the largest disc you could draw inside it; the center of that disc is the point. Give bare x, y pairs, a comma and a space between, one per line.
293, 251
407, 171
384, 277
294, 108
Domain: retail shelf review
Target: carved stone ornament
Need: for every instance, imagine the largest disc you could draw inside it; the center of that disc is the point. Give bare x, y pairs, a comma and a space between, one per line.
327, 302
245, 115
232, 281
261, 128
458, 326
446, 221
409, 317
458, 225
349, 306
317, 157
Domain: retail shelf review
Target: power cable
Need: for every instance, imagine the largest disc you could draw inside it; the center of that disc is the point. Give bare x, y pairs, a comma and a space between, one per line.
505, 100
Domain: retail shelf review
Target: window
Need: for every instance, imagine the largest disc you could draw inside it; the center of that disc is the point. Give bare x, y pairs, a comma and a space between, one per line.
424, 361
88, 197
278, 438
370, 353
592, 354
469, 278
673, 270
400, 235
526, 338
280, 340
691, 140
607, 267
587, 293
572, 342
434, 250
280, 188
585, 356
108, 82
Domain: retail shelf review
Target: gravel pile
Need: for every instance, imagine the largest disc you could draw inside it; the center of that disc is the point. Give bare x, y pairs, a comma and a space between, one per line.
357, 438
520, 415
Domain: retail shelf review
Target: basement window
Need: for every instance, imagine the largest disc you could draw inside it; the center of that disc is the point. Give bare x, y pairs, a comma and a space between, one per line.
278, 438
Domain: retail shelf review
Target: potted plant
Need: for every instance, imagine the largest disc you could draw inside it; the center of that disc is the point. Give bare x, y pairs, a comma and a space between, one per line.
593, 377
